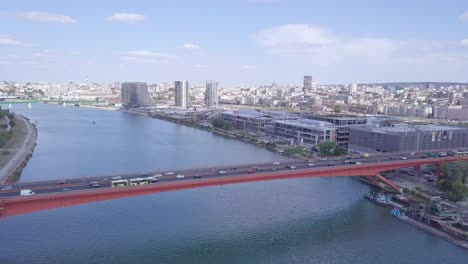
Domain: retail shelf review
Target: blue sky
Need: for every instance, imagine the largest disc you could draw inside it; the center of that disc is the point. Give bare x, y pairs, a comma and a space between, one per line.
237, 42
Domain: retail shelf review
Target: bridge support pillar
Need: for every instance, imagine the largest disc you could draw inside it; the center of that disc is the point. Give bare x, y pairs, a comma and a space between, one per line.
418, 168
373, 181
437, 170
389, 183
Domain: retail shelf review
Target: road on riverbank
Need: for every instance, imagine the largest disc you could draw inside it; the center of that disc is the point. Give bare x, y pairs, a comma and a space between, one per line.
24, 141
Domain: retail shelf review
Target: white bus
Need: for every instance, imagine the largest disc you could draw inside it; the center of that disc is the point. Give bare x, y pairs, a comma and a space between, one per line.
139, 181
119, 183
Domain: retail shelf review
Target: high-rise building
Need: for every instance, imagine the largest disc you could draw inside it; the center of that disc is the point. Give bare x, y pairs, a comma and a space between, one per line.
352, 88
465, 99
211, 94
307, 83
181, 93
135, 94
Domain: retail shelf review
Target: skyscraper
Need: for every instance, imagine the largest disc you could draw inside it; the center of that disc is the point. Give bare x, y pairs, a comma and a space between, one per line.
211, 94
135, 94
181, 93
352, 88
307, 83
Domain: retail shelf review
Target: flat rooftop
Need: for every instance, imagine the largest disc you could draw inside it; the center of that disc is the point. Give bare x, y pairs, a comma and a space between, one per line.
308, 124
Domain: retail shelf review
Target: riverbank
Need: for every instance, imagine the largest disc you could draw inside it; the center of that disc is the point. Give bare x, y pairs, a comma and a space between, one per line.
244, 136
434, 231
16, 153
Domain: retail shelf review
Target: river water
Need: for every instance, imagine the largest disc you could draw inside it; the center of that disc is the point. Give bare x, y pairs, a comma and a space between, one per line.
290, 221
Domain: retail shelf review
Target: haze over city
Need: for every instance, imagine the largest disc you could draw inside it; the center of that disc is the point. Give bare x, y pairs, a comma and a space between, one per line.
245, 42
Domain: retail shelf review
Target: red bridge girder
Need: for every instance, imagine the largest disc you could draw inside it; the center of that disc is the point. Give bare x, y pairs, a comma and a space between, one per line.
27, 204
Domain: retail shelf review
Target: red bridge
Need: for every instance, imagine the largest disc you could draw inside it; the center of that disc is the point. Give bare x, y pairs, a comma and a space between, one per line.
52, 194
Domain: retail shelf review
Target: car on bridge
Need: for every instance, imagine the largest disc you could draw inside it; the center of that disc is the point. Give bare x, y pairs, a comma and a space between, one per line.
276, 163
61, 182
7, 188
95, 184
180, 176
116, 178
222, 172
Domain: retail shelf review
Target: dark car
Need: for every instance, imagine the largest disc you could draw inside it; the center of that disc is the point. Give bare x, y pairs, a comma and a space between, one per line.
61, 182
95, 185
331, 164
197, 176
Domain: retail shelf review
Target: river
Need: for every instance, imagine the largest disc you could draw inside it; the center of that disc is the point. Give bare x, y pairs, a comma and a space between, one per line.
320, 220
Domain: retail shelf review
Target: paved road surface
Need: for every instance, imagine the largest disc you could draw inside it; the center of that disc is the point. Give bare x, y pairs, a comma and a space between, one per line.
69, 185
25, 149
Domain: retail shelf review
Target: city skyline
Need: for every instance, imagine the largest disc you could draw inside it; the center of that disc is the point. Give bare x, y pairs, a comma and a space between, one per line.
360, 42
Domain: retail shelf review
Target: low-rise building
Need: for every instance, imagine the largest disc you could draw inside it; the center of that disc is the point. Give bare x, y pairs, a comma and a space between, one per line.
407, 138
305, 131
342, 123
247, 119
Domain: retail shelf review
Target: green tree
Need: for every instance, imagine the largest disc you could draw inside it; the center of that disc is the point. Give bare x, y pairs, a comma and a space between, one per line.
326, 148
339, 151
337, 108
221, 124
453, 180
217, 123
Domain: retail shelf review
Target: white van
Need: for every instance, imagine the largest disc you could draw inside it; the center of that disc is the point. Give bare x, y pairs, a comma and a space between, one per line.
26, 192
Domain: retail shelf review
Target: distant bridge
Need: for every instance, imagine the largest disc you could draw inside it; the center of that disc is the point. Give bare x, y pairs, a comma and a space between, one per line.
9, 101
51, 194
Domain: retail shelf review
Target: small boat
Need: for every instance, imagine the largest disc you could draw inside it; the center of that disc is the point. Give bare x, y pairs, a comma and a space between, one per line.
64, 104
29, 105
94, 122
77, 105
9, 106
380, 199
398, 214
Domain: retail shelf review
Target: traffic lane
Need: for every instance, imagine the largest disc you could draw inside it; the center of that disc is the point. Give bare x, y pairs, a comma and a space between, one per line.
212, 173
229, 167
191, 171
80, 184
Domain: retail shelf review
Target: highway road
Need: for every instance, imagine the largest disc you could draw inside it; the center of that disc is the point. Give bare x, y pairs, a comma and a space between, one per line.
76, 184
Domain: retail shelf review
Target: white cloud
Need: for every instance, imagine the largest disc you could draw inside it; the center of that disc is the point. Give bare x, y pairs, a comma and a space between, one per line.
464, 16
293, 38
45, 17
146, 56
193, 47
248, 67
47, 53
317, 45
464, 42
126, 18
6, 41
